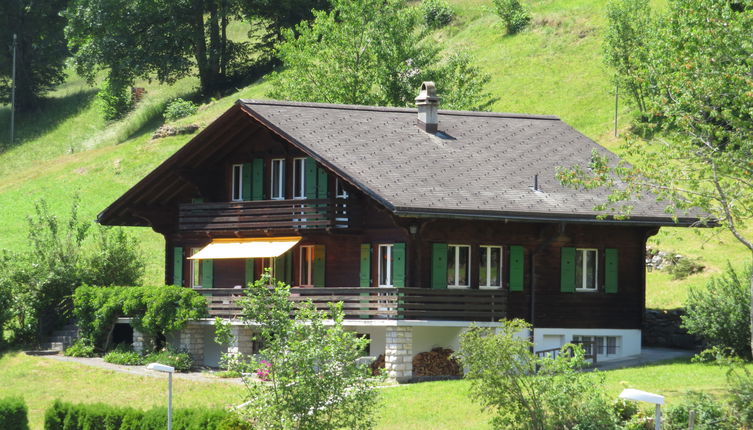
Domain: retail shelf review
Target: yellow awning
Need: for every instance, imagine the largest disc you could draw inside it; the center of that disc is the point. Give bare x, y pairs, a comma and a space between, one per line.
246, 248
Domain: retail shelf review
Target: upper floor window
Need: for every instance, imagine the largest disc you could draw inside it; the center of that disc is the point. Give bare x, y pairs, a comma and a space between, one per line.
278, 179
385, 265
299, 178
490, 267
340, 190
237, 182
586, 269
458, 266
306, 265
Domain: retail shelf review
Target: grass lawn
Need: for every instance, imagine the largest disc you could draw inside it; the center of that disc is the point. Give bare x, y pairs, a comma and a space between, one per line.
435, 405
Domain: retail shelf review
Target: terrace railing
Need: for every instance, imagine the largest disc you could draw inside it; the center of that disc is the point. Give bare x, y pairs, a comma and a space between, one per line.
381, 303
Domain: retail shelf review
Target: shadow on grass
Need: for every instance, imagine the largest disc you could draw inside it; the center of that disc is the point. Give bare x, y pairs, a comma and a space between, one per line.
52, 112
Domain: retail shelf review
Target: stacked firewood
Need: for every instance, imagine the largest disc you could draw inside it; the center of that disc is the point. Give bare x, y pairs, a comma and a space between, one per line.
436, 362
377, 365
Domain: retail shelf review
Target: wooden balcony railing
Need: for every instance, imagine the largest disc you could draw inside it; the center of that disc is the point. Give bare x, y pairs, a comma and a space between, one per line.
382, 303
268, 215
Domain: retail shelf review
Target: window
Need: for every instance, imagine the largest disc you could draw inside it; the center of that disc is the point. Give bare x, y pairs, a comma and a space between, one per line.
299, 178
340, 192
196, 269
490, 267
385, 265
307, 262
237, 183
604, 345
586, 271
278, 179
458, 266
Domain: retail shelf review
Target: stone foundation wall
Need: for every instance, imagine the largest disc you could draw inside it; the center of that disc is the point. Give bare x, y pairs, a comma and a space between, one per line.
191, 339
398, 354
662, 328
242, 342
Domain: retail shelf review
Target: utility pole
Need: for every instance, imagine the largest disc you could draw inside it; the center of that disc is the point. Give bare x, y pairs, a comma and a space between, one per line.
13, 95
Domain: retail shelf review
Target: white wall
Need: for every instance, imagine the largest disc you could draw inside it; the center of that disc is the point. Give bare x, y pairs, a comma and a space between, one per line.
628, 344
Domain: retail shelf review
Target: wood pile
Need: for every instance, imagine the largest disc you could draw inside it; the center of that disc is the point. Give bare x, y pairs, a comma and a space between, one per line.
436, 362
377, 365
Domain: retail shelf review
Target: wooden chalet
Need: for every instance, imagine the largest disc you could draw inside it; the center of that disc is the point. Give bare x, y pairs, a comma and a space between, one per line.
421, 221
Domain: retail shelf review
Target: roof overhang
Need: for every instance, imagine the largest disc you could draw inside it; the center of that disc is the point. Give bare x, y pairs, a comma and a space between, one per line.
267, 247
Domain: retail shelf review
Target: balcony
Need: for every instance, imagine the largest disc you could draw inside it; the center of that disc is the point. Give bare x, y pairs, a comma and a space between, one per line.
381, 303
268, 215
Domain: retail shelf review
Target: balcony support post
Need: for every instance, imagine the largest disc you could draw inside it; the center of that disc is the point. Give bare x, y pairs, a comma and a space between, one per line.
398, 353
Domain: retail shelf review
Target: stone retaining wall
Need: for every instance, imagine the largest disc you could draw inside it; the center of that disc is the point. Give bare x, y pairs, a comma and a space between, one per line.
662, 328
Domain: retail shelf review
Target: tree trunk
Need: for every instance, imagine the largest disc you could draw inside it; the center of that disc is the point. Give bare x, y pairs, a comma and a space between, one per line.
751, 304
200, 46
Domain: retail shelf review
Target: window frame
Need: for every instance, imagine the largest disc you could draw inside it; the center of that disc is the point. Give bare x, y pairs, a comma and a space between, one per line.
195, 269
584, 262
602, 348
340, 191
299, 181
489, 267
457, 263
390, 263
306, 252
236, 178
280, 191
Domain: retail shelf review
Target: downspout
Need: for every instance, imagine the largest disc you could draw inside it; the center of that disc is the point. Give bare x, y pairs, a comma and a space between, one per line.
532, 273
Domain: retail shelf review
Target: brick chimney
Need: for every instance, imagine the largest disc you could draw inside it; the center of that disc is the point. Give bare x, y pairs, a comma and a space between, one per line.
427, 103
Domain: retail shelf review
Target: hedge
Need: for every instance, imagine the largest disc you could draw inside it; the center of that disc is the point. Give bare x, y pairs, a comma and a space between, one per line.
98, 416
13, 414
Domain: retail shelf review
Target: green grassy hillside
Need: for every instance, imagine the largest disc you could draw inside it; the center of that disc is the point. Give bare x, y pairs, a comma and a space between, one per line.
553, 67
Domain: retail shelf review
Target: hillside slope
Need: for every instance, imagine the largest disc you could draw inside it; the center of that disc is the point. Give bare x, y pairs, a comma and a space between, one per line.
553, 67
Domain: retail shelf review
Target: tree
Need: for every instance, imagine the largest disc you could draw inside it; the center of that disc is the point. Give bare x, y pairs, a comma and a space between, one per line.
371, 52
40, 50
309, 377
699, 65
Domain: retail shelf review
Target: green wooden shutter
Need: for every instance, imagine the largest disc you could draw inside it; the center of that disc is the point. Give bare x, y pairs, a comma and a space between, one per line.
322, 183
398, 264
207, 273
249, 266
246, 181
517, 266
567, 270
178, 265
439, 265
284, 268
611, 268
257, 181
365, 265
319, 266
310, 178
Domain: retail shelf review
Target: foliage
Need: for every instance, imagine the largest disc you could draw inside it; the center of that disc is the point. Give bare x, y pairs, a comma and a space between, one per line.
514, 15
685, 267
719, 312
115, 98
437, 13
155, 311
115, 259
40, 50
98, 416
180, 360
13, 414
710, 415
314, 381
124, 356
80, 348
179, 108
740, 381
375, 53
530, 392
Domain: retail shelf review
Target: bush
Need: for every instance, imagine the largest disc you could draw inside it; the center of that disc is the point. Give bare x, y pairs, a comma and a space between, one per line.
740, 382
178, 109
124, 356
719, 313
80, 348
115, 259
115, 99
514, 15
13, 414
437, 13
181, 361
685, 267
709, 414
97, 416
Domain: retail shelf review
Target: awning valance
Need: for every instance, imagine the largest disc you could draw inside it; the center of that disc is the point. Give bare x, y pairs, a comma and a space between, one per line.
263, 247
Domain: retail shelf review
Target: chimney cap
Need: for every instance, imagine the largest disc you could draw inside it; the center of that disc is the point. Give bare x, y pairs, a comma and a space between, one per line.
428, 94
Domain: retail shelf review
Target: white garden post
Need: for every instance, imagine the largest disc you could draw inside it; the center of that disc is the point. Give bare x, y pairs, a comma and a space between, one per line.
169, 370
643, 396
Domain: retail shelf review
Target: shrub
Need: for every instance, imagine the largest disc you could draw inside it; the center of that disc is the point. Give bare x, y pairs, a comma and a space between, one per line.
80, 348
685, 267
124, 356
13, 414
115, 259
437, 13
719, 313
178, 109
181, 361
115, 99
514, 15
709, 414
740, 382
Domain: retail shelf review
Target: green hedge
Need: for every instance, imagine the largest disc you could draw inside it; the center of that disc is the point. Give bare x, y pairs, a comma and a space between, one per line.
13, 414
98, 416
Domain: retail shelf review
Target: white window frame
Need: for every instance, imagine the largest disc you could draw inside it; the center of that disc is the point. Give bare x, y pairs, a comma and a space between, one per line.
279, 193
340, 191
489, 267
604, 350
306, 254
457, 264
239, 179
299, 181
388, 249
584, 262
195, 269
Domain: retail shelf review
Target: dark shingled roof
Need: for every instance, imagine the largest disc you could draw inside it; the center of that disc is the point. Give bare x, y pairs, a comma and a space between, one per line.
478, 164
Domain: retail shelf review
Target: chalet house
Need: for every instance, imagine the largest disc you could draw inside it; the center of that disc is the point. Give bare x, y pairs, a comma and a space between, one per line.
422, 221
